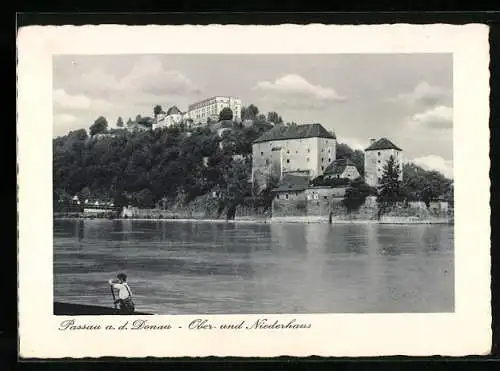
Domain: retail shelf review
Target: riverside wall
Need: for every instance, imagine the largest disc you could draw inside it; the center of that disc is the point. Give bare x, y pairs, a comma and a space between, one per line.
204, 207
332, 210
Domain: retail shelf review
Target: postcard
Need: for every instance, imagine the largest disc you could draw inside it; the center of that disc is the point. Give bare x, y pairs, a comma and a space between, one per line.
253, 191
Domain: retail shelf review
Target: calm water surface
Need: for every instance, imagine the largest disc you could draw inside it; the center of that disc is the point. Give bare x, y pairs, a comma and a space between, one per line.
203, 267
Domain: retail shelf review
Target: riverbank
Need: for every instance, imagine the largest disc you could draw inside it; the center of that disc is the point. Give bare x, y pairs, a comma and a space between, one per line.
284, 219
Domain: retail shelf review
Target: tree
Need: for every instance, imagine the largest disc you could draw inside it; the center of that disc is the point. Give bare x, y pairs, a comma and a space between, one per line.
226, 114
119, 122
99, 126
356, 194
150, 166
236, 186
144, 199
422, 185
261, 117
157, 110
145, 121
273, 117
280, 120
389, 189
329, 182
129, 122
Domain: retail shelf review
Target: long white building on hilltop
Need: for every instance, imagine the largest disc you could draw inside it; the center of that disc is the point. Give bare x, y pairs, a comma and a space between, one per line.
202, 111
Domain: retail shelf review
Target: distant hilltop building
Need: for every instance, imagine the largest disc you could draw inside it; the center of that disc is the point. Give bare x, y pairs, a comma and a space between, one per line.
304, 150
202, 111
173, 116
199, 113
376, 156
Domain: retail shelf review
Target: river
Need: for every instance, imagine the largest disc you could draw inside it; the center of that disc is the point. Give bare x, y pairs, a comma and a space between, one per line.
200, 267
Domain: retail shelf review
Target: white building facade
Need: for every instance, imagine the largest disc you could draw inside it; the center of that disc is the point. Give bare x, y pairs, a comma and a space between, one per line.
172, 117
305, 149
209, 109
377, 155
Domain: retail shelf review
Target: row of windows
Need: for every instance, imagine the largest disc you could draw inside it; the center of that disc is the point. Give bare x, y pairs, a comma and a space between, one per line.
378, 153
309, 197
307, 159
208, 102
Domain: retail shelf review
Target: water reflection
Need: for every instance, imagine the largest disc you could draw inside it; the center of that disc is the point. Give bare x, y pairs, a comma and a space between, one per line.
197, 267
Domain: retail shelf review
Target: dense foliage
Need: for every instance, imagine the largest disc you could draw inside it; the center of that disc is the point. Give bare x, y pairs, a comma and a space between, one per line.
421, 185
226, 114
142, 168
329, 182
356, 193
356, 156
175, 166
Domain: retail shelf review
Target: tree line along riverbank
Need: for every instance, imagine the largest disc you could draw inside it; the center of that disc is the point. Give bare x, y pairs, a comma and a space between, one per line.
173, 168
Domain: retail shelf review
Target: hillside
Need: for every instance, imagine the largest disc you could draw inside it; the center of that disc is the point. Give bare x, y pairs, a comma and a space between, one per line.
143, 168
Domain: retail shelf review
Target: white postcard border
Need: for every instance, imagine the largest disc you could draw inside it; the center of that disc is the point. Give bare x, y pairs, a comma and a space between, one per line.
465, 332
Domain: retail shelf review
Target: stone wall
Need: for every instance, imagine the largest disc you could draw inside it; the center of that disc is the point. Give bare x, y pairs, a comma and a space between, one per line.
283, 207
204, 207
322, 209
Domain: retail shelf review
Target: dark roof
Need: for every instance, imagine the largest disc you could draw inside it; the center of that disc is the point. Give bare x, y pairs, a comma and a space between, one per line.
338, 166
173, 111
382, 143
295, 132
293, 183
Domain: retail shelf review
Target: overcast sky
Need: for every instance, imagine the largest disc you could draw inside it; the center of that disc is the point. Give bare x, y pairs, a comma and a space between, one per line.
404, 97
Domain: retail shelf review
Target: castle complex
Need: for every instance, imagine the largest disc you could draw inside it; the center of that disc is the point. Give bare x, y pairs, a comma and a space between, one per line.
304, 149
309, 151
200, 112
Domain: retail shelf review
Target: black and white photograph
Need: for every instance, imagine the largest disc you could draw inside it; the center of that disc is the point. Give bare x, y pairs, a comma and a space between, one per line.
254, 184
280, 191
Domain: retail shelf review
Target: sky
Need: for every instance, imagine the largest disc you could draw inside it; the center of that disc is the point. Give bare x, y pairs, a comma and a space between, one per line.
406, 98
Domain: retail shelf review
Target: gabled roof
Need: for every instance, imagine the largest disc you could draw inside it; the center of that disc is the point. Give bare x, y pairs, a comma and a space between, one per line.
382, 143
338, 166
292, 183
173, 111
295, 132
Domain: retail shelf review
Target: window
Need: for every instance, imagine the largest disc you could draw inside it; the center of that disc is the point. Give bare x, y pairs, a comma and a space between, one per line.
329, 160
328, 150
296, 151
287, 151
322, 168
286, 196
262, 153
287, 160
379, 154
277, 197
308, 150
325, 197
267, 161
378, 161
322, 159
307, 159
